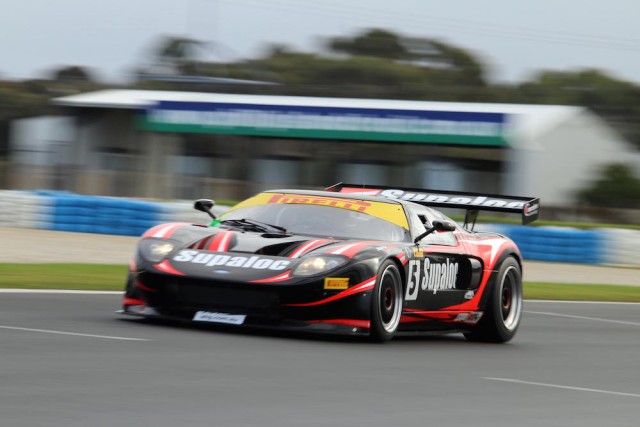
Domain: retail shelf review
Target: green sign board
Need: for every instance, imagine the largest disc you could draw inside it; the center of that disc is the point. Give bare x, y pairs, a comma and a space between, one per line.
365, 124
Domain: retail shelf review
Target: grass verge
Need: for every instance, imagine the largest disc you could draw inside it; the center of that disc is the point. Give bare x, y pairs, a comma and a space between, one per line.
95, 277
111, 278
579, 292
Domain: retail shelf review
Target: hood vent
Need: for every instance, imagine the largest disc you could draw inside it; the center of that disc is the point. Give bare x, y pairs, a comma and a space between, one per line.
202, 243
250, 243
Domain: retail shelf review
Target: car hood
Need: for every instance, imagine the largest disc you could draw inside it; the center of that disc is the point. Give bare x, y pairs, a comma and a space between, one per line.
235, 255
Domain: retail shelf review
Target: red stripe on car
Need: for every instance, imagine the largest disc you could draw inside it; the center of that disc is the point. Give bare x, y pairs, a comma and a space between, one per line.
163, 231
363, 191
411, 319
203, 243
144, 287
349, 322
308, 247
360, 287
349, 250
440, 315
221, 242
165, 267
279, 278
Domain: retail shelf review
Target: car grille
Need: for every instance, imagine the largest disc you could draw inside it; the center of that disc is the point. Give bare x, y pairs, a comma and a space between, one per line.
192, 294
224, 297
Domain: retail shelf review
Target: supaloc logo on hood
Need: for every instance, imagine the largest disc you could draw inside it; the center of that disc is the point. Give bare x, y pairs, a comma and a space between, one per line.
217, 260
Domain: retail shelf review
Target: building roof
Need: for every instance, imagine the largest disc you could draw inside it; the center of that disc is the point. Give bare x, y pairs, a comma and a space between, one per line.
131, 98
525, 121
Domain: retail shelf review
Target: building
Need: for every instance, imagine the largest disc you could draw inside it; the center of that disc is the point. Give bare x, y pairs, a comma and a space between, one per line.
162, 144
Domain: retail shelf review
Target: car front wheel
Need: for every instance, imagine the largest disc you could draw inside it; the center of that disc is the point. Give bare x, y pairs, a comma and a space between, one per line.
386, 303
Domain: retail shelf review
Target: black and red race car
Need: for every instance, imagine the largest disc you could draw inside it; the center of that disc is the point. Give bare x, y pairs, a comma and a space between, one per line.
354, 259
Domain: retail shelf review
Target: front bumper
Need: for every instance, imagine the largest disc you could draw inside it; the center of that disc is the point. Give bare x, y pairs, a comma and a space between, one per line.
296, 306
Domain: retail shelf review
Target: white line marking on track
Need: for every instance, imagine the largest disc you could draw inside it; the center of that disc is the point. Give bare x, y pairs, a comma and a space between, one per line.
47, 331
572, 316
564, 387
58, 291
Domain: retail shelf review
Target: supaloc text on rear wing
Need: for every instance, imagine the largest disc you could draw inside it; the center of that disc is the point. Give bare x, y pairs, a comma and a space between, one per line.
527, 207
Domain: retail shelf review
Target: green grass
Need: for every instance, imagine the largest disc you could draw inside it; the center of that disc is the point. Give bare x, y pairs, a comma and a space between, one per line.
63, 276
112, 278
571, 292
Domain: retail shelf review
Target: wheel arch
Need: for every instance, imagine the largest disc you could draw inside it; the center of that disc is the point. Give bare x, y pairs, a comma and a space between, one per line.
401, 270
507, 253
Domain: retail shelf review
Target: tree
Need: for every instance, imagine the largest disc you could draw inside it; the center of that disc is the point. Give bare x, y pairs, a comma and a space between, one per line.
379, 64
432, 54
373, 42
615, 188
176, 55
72, 74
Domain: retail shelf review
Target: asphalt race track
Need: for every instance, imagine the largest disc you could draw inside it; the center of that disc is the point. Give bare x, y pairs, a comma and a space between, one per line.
68, 360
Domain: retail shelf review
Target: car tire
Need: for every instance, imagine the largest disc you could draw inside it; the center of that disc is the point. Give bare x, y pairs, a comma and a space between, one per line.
503, 309
386, 303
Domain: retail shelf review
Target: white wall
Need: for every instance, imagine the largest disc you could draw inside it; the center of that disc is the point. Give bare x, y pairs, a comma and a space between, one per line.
45, 140
566, 157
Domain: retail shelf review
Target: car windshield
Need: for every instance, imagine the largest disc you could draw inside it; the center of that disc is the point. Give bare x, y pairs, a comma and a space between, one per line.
318, 220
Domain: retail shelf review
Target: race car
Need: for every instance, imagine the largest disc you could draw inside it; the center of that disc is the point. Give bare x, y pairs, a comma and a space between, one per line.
355, 259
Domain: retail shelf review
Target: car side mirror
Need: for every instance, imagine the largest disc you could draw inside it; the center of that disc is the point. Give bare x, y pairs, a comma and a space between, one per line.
205, 205
436, 225
441, 225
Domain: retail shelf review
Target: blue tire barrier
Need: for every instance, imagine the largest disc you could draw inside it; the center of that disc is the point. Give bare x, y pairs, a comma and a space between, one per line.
102, 215
555, 244
64, 211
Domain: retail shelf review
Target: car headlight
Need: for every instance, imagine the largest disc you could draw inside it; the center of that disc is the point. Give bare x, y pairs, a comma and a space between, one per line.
318, 264
155, 250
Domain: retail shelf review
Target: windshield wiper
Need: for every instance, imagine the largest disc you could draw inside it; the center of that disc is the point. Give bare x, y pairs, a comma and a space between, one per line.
253, 224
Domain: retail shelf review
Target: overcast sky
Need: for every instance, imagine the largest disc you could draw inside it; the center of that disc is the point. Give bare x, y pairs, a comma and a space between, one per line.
513, 38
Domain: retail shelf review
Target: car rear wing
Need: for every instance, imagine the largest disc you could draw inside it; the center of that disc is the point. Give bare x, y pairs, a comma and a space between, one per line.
527, 207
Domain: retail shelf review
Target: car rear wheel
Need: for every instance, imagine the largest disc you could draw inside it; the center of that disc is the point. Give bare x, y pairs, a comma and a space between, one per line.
386, 303
504, 306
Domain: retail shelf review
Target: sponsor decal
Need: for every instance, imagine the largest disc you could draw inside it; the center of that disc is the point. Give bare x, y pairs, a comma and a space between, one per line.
385, 210
336, 283
471, 318
480, 201
531, 209
214, 260
430, 276
209, 316
418, 252
350, 204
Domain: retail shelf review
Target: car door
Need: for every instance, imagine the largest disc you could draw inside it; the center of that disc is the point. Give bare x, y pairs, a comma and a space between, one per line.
440, 271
